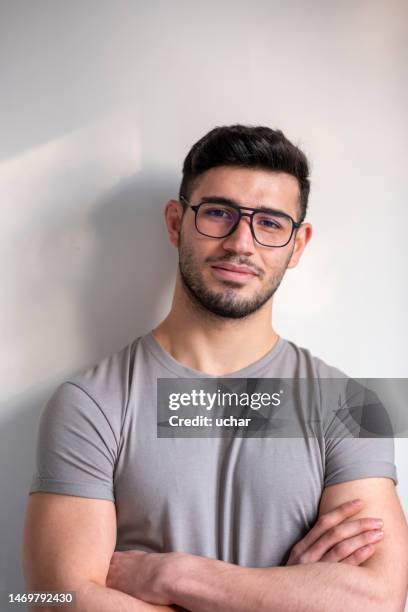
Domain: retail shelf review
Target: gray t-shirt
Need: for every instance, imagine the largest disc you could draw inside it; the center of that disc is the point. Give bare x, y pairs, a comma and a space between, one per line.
242, 500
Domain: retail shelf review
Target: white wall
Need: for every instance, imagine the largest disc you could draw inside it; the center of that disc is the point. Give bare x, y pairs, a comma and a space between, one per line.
100, 102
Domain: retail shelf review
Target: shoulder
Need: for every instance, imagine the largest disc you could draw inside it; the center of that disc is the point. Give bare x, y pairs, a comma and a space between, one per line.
101, 388
306, 364
111, 374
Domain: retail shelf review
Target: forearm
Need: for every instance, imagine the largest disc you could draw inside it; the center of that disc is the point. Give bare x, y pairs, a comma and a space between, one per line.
92, 597
97, 598
214, 586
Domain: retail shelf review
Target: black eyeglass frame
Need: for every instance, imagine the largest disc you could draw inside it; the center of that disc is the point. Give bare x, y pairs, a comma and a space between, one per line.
278, 213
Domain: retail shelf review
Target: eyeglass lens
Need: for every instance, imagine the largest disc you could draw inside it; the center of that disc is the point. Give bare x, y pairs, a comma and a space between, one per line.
216, 220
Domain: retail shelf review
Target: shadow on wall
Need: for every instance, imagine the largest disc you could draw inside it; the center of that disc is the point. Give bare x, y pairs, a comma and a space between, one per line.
124, 289
134, 265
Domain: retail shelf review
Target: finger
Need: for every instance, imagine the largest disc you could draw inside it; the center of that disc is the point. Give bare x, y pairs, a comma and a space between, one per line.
359, 556
327, 521
338, 536
344, 549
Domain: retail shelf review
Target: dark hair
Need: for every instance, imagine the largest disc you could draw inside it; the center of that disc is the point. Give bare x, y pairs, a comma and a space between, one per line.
248, 147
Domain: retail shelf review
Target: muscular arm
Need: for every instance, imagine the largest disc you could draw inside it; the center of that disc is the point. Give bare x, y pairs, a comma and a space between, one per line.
67, 546
207, 585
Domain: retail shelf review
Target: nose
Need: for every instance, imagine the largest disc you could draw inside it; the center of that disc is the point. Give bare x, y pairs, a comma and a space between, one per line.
241, 239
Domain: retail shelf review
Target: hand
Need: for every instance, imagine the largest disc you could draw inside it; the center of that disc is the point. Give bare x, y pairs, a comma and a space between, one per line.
334, 539
143, 575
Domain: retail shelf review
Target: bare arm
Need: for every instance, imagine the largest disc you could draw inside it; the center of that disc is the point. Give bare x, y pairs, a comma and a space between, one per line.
67, 546
378, 584
214, 586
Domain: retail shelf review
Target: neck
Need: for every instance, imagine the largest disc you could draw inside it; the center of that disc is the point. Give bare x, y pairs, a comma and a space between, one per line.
211, 344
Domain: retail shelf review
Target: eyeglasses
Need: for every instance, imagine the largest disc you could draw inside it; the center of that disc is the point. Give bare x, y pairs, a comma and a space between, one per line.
220, 219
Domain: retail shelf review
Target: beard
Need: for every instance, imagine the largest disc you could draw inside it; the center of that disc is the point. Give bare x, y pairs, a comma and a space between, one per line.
226, 303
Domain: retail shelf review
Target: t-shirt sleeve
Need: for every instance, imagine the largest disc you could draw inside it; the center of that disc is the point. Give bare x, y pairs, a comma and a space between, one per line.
358, 442
353, 458
76, 446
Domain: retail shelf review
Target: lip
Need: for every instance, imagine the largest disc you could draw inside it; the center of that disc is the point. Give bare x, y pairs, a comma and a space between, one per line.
234, 272
234, 268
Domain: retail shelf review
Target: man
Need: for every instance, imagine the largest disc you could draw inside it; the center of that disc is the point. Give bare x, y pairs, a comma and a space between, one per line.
212, 523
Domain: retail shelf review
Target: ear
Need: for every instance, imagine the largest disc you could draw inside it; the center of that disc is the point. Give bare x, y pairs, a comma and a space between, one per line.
173, 214
302, 237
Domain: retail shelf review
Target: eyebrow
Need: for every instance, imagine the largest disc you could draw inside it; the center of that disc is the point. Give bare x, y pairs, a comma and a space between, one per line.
222, 200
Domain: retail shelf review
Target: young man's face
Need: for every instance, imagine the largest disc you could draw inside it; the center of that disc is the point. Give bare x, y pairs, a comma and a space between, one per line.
229, 294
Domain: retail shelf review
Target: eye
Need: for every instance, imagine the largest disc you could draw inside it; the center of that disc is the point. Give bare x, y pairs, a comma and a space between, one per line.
268, 222
218, 212
215, 212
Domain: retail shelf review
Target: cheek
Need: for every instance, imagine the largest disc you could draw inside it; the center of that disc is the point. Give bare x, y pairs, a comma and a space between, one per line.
196, 252
279, 258
275, 265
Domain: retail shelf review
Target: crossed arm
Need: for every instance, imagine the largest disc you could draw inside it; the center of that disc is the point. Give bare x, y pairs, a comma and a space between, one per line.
67, 544
209, 585
142, 581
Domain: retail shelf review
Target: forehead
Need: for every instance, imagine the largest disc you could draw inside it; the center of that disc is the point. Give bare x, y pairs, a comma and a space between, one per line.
250, 187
